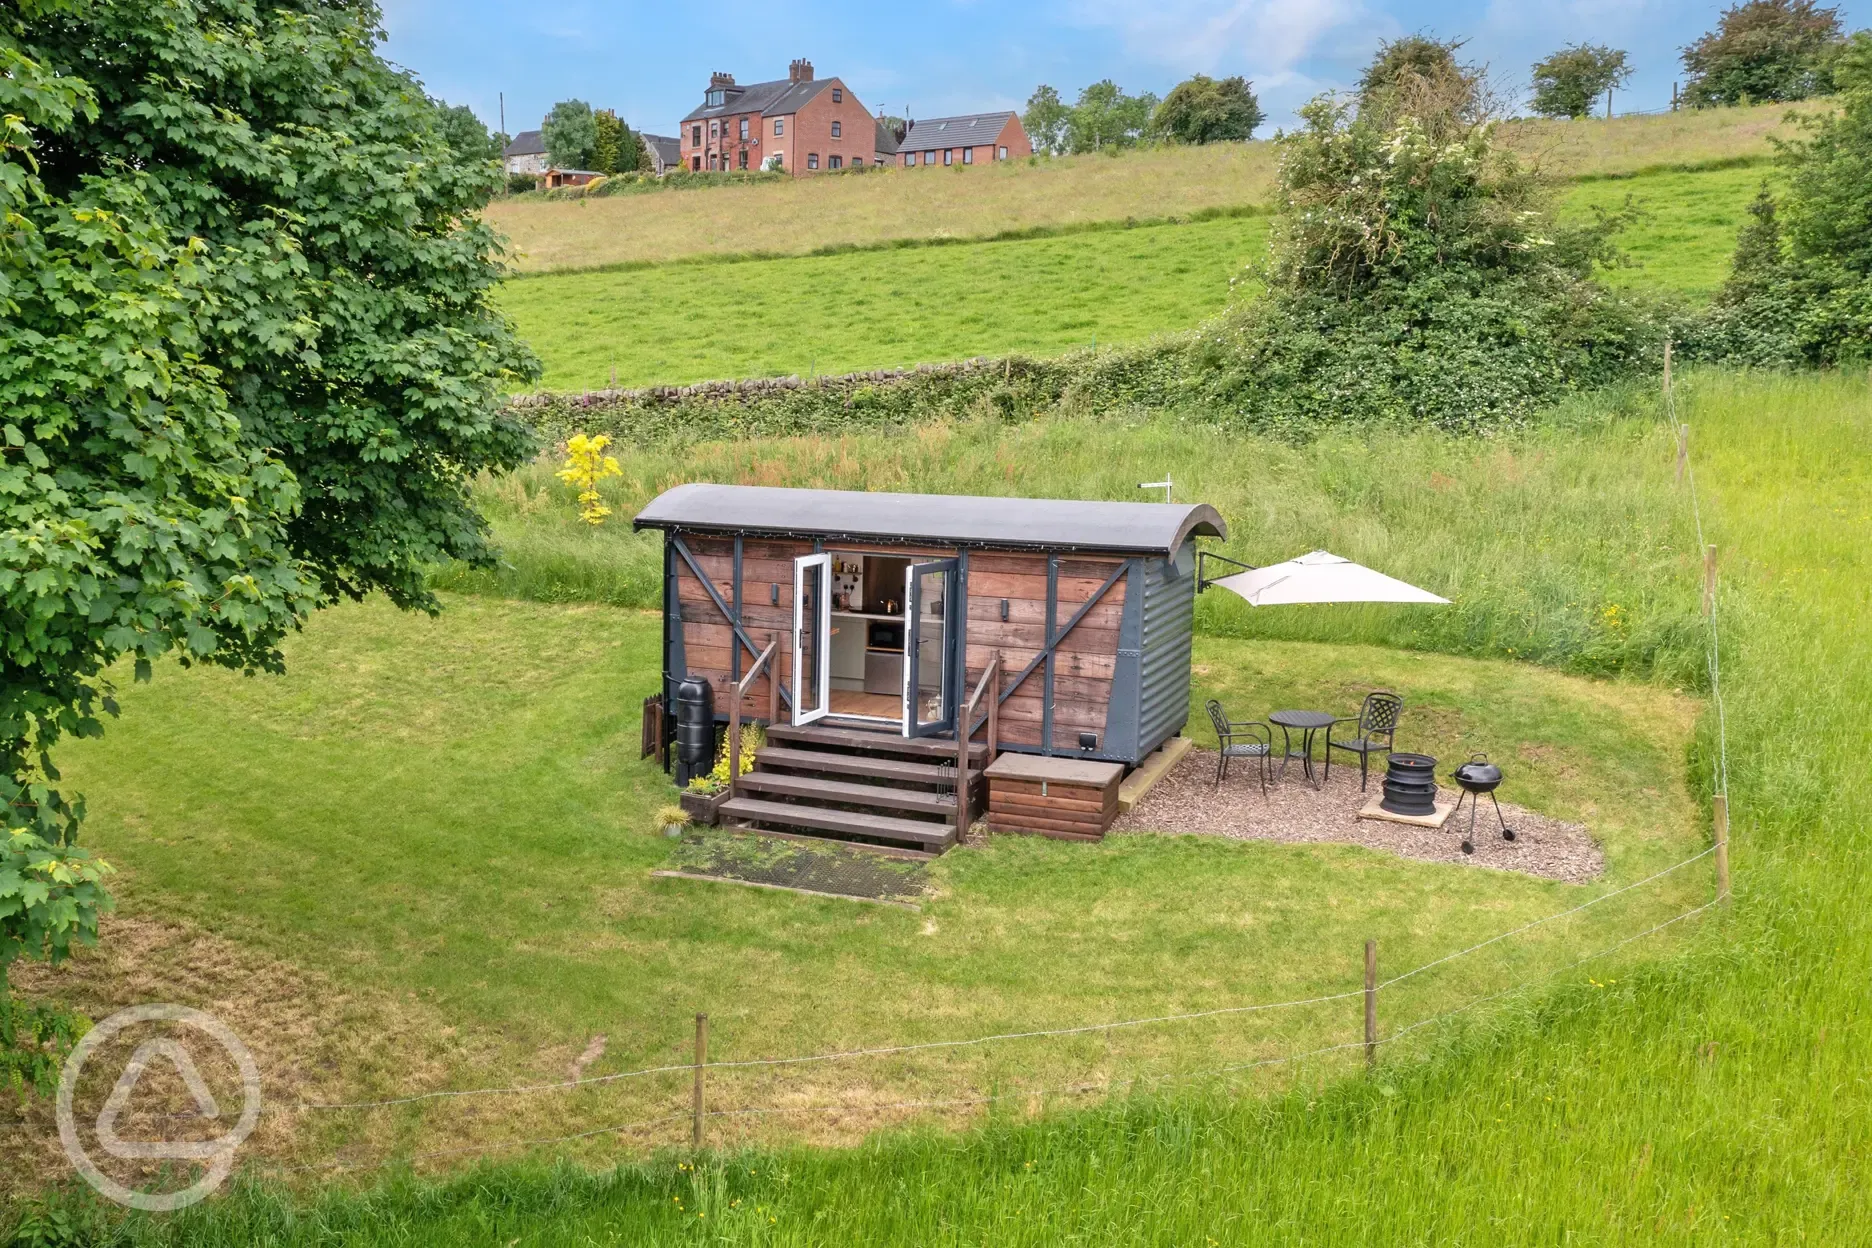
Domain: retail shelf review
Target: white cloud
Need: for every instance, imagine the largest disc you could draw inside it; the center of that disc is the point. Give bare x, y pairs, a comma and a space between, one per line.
1266, 39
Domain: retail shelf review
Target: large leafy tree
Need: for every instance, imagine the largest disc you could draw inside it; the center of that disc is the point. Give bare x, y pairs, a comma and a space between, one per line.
1568, 83
1104, 118
1766, 51
570, 133
249, 361
1209, 110
1045, 120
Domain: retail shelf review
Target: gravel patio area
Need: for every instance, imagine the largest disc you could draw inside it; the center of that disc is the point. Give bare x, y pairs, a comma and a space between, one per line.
1185, 801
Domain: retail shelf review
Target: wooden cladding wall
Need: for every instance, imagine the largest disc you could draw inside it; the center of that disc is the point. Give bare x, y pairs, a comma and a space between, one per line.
1085, 659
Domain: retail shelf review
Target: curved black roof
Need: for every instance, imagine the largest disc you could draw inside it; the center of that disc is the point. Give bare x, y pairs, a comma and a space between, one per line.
937, 519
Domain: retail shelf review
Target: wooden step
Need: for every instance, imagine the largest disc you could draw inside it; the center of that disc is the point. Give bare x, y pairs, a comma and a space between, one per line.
813, 737
895, 770
814, 789
933, 837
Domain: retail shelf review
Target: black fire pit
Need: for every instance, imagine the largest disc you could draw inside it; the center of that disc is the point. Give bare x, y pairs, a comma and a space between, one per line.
1409, 784
1479, 776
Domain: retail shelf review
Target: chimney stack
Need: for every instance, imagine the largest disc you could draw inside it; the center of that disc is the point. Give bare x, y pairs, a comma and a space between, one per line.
800, 70
719, 79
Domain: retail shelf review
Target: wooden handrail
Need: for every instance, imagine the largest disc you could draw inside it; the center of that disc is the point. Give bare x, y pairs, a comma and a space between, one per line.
965, 731
734, 711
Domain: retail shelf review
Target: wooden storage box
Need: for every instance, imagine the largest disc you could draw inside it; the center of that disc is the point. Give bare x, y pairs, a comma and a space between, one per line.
1072, 799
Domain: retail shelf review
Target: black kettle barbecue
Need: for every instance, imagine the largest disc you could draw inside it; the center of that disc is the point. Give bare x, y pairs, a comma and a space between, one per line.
1476, 777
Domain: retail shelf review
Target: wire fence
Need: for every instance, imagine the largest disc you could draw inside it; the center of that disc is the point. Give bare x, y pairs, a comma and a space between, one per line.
698, 1115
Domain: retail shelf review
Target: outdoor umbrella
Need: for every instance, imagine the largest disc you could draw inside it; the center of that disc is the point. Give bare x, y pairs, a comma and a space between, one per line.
1320, 577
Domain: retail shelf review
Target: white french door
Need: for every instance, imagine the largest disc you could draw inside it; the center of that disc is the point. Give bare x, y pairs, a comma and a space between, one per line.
812, 637
929, 643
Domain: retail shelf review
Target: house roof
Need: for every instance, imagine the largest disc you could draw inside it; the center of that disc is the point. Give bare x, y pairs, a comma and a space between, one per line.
770, 99
973, 130
526, 143
668, 150
942, 519
886, 141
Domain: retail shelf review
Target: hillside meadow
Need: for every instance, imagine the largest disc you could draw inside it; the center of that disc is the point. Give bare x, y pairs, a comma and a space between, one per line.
677, 323
897, 205
1700, 1085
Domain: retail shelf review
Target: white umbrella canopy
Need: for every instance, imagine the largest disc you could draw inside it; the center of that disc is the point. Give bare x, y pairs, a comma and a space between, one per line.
1320, 577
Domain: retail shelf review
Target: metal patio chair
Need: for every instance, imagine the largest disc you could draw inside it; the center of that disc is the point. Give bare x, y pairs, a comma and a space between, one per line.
1236, 739
1376, 726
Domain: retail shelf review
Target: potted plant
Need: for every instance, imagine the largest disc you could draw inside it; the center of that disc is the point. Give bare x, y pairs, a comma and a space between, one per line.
705, 794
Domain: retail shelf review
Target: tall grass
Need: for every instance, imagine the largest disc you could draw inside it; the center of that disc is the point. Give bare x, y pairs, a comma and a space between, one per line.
797, 217
1552, 545
1717, 1094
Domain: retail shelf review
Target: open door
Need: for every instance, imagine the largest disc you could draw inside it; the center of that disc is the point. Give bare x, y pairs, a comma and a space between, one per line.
812, 637
929, 642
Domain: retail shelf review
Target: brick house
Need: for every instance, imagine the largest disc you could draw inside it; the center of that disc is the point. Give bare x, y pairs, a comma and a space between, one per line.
800, 124
975, 139
526, 154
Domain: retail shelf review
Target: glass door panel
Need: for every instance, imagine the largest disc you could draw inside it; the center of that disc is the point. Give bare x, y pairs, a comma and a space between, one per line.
812, 637
929, 635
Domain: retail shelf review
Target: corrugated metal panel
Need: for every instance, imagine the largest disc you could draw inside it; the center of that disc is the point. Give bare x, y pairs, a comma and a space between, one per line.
1167, 643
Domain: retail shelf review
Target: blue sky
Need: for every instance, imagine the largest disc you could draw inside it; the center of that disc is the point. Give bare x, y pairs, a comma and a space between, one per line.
651, 61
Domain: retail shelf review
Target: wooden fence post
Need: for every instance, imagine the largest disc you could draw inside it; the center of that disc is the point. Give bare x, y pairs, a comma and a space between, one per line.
701, 1064
1721, 803
1371, 1003
1667, 368
1709, 580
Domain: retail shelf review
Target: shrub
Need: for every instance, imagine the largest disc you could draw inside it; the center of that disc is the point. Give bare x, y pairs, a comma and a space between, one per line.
1800, 287
521, 183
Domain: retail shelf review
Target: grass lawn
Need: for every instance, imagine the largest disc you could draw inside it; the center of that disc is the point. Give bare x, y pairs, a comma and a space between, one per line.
450, 813
873, 309
678, 323
802, 216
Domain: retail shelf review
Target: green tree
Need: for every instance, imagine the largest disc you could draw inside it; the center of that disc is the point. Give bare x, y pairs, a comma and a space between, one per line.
1207, 110
1568, 83
1765, 51
463, 131
1045, 120
1402, 64
608, 143
570, 133
249, 363
1416, 273
1104, 117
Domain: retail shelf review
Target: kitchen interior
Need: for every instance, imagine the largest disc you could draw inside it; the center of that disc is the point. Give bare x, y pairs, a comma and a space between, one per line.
867, 662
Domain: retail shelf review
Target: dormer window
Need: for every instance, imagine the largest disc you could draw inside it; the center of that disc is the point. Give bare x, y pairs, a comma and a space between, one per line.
716, 98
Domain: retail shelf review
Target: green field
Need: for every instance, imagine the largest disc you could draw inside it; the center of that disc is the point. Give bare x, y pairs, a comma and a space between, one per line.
678, 323
1700, 1086
876, 309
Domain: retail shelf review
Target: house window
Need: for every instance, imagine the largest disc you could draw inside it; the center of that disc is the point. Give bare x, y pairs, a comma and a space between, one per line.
714, 129
968, 158
837, 131
909, 158
835, 162
858, 163
779, 126
744, 129
812, 160
929, 157
1002, 155
743, 160
948, 155
838, 96
695, 135
695, 164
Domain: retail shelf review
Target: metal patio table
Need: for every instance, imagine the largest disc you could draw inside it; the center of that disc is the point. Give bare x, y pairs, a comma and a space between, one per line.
1308, 724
